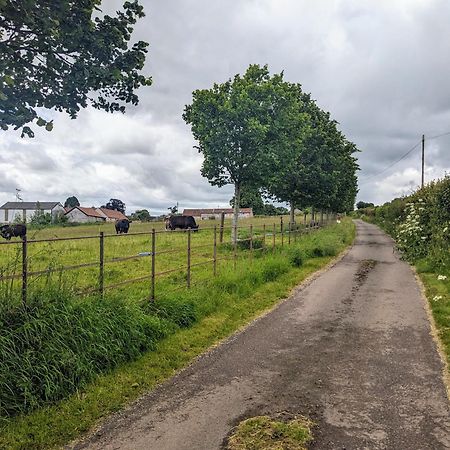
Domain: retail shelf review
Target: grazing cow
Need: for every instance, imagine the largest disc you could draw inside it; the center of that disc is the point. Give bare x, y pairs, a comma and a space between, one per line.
9, 231
182, 222
122, 226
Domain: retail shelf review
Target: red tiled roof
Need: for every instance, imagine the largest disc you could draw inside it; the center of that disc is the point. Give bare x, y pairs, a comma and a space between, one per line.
91, 212
199, 212
113, 214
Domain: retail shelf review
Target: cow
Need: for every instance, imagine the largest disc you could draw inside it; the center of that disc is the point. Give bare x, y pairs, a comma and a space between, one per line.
9, 231
182, 222
122, 226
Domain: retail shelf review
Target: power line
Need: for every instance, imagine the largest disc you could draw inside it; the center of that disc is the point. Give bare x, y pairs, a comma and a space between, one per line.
392, 164
365, 180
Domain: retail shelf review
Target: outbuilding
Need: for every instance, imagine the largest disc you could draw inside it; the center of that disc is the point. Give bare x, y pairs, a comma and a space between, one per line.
23, 211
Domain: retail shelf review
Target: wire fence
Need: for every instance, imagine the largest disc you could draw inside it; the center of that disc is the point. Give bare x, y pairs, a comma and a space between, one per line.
250, 238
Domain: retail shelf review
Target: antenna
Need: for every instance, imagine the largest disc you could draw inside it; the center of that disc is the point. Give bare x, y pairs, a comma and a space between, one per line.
18, 197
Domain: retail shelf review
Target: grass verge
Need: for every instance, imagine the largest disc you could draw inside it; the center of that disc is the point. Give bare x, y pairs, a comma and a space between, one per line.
220, 315
265, 433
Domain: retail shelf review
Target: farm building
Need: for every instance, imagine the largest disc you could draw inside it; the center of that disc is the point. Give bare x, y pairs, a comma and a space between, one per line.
111, 214
80, 214
24, 211
215, 213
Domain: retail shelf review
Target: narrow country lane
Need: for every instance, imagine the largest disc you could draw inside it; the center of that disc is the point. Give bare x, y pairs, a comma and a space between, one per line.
352, 350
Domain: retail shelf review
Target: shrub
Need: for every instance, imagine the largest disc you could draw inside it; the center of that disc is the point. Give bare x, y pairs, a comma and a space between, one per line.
296, 257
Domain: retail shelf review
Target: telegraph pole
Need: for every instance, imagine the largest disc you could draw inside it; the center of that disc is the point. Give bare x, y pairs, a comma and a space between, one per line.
423, 159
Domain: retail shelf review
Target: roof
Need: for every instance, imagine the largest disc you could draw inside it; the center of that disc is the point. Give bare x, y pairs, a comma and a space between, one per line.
90, 212
30, 205
200, 211
113, 214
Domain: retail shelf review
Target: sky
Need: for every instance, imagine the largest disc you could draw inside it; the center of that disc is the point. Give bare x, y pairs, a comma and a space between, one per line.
381, 68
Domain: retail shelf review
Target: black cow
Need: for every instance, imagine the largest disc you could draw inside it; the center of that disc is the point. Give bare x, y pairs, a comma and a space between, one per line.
9, 231
122, 226
182, 222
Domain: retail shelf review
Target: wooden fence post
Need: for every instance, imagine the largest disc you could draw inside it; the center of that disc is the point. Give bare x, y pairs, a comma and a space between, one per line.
189, 258
282, 230
251, 241
222, 222
215, 251
264, 235
235, 247
289, 235
273, 237
24, 270
101, 276
152, 285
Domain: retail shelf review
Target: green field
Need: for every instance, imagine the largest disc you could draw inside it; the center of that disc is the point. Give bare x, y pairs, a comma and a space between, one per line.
170, 261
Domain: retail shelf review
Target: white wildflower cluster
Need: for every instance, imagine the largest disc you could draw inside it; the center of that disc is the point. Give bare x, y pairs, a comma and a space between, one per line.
411, 236
437, 297
442, 277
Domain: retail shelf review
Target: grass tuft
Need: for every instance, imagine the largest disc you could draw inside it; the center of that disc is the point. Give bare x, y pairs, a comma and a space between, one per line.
265, 433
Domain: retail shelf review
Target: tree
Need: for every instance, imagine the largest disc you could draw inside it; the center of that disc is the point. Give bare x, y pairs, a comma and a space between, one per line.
362, 205
250, 198
173, 209
71, 202
141, 214
236, 126
116, 204
56, 55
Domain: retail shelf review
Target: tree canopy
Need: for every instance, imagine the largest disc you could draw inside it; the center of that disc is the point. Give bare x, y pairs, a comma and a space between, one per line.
71, 202
64, 55
116, 204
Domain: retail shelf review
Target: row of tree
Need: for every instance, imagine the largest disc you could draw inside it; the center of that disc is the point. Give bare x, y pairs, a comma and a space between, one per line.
265, 135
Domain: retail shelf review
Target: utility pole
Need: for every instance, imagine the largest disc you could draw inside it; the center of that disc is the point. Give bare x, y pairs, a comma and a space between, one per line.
423, 160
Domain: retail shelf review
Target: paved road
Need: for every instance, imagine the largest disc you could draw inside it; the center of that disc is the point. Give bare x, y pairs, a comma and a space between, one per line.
352, 350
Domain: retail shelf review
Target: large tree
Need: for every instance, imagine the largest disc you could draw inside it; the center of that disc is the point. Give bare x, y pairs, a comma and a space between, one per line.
237, 126
115, 204
63, 55
71, 202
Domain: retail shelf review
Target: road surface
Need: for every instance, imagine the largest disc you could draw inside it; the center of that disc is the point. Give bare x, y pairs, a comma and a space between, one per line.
351, 350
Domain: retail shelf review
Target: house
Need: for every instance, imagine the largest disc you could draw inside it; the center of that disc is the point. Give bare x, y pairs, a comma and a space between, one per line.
79, 214
111, 214
215, 213
24, 211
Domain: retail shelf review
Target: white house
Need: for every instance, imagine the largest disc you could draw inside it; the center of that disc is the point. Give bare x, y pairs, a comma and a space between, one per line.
24, 211
79, 214
215, 213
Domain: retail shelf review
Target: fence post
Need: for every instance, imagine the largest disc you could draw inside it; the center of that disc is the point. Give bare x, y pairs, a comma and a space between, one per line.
289, 235
251, 241
273, 237
282, 229
264, 235
24, 270
235, 247
215, 251
189, 258
152, 285
101, 276
222, 221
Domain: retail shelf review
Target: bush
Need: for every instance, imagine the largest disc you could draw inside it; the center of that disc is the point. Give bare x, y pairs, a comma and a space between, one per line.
296, 257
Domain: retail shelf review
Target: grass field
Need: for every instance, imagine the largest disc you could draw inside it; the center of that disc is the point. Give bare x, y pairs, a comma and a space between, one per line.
171, 249
68, 361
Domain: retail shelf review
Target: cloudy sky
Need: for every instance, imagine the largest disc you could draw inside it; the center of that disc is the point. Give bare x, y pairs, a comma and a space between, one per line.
380, 67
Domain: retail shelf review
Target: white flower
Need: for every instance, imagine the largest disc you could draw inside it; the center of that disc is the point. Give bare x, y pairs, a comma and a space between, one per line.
445, 229
442, 277
437, 297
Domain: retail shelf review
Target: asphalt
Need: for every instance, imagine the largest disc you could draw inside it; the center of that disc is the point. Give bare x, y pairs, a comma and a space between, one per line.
352, 350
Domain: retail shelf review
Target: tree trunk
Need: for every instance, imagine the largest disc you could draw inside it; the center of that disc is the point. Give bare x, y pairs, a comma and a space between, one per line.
313, 213
292, 219
236, 207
